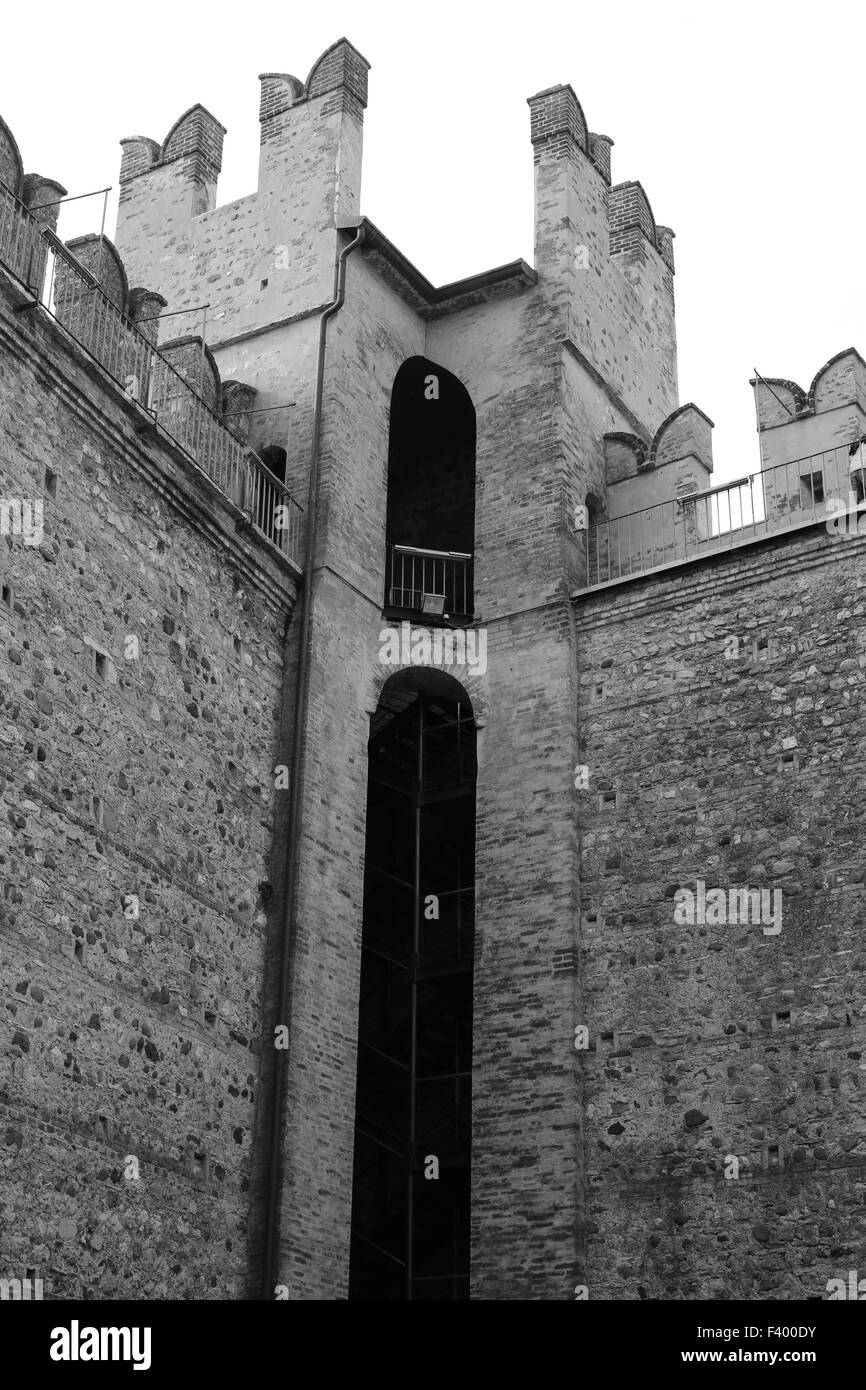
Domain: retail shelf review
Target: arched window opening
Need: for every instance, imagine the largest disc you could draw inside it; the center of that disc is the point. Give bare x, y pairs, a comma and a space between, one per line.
274, 458
265, 497
411, 1183
597, 539
430, 521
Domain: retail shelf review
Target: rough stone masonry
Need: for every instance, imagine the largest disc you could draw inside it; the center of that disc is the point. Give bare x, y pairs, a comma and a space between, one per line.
149, 651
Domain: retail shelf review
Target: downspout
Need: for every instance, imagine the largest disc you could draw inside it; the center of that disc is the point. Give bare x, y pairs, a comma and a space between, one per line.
270, 1263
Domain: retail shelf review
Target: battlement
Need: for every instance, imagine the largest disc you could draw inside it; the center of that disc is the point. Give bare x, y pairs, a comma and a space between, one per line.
661, 510
610, 265
101, 258
557, 115
11, 163
38, 194
685, 434
795, 424
269, 255
632, 224
194, 144
340, 71
678, 461
175, 390
558, 129
262, 266
336, 85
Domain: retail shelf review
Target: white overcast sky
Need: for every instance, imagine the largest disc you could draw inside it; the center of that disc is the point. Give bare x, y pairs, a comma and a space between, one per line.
743, 122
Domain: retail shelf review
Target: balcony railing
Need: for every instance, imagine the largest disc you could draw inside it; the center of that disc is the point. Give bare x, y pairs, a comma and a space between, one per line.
779, 498
71, 295
418, 578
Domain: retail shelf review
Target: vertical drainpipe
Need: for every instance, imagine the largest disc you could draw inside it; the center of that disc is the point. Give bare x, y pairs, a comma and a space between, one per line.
271, 1255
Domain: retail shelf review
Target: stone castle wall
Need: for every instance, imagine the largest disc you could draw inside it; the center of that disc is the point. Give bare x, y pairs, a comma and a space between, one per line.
150, 776
141, 656
714, 1041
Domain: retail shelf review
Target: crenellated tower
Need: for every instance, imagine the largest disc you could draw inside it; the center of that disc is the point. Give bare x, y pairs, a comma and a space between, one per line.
423, 910
264, 264
599, 244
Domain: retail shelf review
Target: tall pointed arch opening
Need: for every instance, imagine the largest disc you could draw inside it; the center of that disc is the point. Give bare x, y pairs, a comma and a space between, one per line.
411, 1180
430, 518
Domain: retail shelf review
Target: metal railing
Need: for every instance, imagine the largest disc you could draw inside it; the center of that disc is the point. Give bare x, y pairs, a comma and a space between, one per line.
19, 240
779, 498
414, 575
75, 299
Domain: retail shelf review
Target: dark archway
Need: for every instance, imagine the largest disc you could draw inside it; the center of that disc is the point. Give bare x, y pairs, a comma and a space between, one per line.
430, 518
411, 1182
273, 456
594, 538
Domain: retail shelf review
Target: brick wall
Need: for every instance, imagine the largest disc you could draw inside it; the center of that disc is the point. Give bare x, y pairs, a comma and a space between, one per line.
197, 133
129, 767
266, 259
536, 436
629, 212
601, 1168
710, 1041
614, 301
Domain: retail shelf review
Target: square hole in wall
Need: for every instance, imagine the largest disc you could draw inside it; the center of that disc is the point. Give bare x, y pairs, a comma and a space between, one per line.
789, 762
763, 649
7, 596
50, 483
263, 285
607, 801
782, 1019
